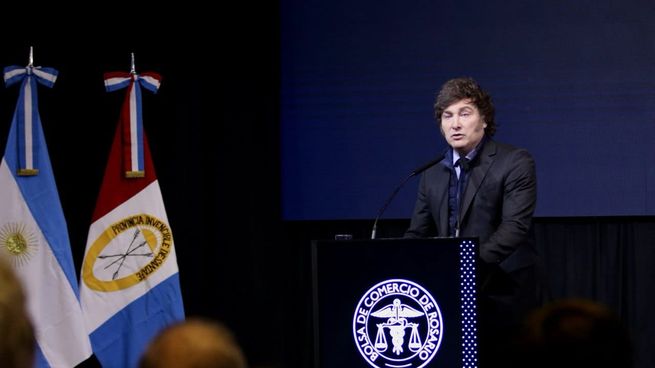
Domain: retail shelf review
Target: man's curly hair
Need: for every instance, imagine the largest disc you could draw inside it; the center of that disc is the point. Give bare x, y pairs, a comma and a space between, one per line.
466, 88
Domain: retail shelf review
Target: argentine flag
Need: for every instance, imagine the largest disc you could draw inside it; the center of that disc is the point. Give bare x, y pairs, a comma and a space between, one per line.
33, 231
129, 284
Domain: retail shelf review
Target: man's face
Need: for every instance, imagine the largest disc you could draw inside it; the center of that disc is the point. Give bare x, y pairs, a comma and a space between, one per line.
462, 126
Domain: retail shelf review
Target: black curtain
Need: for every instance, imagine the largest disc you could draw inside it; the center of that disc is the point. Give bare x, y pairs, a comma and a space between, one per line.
609, 260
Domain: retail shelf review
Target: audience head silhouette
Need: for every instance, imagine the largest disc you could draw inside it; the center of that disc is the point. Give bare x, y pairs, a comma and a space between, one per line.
16, 333
194, 343
574, 333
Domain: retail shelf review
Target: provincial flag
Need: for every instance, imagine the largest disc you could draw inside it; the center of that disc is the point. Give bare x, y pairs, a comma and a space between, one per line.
129, 281
33, 230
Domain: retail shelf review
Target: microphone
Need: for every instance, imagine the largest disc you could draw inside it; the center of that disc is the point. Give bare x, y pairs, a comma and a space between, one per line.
415, 172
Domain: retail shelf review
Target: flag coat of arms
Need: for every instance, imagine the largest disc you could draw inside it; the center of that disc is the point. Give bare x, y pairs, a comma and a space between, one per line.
33, 230
129, 286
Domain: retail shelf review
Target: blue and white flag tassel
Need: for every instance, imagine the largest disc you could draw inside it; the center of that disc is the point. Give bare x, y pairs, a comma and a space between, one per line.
26, 115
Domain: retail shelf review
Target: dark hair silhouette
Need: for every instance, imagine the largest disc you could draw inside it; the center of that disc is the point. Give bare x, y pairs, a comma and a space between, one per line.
574, 333
194, 343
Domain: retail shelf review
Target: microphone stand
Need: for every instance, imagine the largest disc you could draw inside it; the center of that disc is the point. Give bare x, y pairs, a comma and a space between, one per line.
414, 173
386, 204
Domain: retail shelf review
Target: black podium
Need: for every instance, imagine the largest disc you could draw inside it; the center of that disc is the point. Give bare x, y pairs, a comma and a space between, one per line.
395, 303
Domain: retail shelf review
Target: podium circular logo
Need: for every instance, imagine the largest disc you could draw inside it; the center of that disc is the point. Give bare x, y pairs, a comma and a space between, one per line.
397, 323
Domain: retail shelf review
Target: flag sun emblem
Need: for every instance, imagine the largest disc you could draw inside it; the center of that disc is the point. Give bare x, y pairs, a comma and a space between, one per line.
17, 242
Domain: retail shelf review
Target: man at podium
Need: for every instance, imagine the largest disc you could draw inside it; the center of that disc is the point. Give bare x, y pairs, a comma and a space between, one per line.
485, 189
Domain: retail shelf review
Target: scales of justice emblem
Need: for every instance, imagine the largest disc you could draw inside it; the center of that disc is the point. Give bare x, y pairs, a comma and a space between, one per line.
397, 323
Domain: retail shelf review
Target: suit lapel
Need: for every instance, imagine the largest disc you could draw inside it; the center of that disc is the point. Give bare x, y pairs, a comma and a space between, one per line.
477, 175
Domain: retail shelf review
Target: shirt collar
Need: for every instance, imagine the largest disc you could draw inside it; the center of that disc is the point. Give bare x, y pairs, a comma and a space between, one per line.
471, 155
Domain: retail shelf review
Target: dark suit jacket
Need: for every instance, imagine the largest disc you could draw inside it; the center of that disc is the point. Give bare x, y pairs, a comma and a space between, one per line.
497, 206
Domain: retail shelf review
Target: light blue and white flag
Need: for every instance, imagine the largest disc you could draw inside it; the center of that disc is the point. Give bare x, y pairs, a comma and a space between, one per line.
33, 231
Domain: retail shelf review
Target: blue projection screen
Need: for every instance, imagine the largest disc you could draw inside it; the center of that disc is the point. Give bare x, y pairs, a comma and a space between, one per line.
573, 82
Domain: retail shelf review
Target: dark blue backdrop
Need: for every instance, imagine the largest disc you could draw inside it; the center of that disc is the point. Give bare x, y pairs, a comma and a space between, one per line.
573, 82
